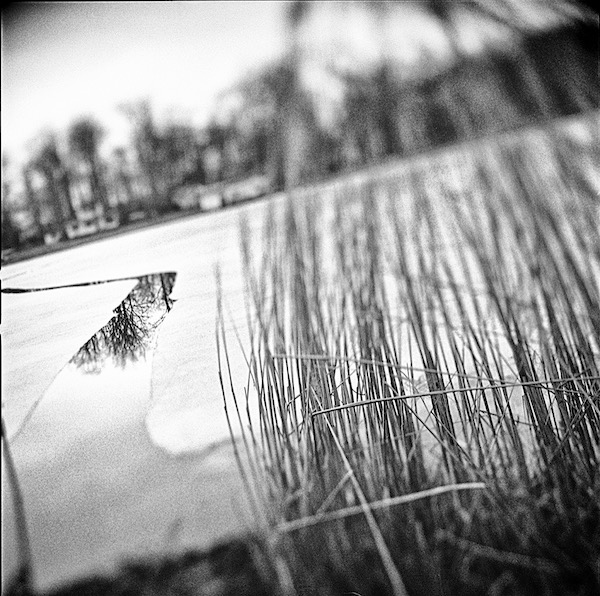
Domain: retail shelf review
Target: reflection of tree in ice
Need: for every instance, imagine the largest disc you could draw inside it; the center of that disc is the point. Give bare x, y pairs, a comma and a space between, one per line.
130, 332
88, 355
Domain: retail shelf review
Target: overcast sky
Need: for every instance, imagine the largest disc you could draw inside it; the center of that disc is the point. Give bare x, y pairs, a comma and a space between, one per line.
61, 60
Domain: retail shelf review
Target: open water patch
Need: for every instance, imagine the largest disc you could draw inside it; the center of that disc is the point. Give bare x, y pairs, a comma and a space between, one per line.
115, 363
131, 332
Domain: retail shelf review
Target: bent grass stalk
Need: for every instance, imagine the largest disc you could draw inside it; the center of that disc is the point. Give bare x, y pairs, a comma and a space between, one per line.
324, 517
22, 583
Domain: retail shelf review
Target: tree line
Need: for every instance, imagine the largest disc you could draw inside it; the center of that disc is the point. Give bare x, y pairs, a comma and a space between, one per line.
67, 179
271, 123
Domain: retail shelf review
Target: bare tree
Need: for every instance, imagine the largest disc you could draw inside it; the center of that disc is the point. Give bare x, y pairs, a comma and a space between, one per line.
148, 148
84, 140
10, 233
180, 154
32, 201
48, 162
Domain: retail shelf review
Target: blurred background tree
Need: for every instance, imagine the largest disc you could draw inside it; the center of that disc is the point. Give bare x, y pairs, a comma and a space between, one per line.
10, 230
84, 137
48, 162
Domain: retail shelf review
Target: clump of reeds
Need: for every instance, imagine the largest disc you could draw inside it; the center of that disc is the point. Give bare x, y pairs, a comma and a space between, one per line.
422, 414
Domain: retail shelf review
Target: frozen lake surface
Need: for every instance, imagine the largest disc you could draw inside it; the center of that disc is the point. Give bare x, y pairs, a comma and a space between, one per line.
139, 463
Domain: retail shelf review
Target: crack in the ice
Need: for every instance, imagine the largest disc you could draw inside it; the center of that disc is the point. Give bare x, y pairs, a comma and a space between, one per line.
75, 285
